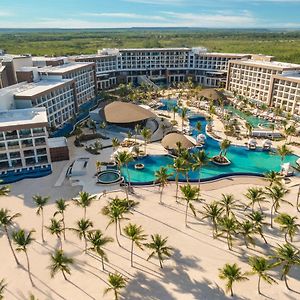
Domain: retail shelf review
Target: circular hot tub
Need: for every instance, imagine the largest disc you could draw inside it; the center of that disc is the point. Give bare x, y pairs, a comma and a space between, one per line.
109, 176
139, 166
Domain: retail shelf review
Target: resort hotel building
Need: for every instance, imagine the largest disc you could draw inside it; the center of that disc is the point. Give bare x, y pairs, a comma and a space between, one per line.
263, 80
24, 150
160, 65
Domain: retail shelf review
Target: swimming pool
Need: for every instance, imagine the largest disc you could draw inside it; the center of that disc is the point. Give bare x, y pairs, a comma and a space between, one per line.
244, 161
254, 121
109, 176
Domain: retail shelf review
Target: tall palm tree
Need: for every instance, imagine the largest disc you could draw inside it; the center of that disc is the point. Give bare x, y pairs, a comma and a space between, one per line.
98, 165
276, 193
257, 218
260, 267
115, 212
115, 143
3, 286
231, 273
274, 178
190, 195
61, 207
228, 203
159, 248
213, 211
255, 195
247, 230
287, 225
123, 158
283, 151
98, 241
22, 241
84, 200
60, 262
200, 159
137, 129
178, 165
135, 233
83, 227
116, 283
224, 145
7, 221
162, 177
174, 110
198, 127
228, 226
183, 115
40, 202
146, 134
56, 228
286, 256
249, 128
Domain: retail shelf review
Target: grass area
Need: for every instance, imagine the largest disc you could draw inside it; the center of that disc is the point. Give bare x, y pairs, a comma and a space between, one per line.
283, 45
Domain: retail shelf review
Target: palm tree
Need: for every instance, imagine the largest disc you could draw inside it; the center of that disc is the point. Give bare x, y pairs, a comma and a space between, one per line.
3, 285
162, 177
83, 226
224, 145
198, 127
116, 283
257, 218
178, 166
286, 256
228, 226
22, 241
135, 233
231, 273
61, 206
159, 248
123, 158
98, 241
137, 129
115, 143
146, 134
174, 110
249, 128
228, 203
40, 202
190, 195
255, 195
60, 262
7, 221
98, 166
260, 267
84, 200
200, 159
213, 211
276, 194
183, 115
247, 229
4, 190
288, 225
274, 178
103, 126
283, 151
57, 229
115, 212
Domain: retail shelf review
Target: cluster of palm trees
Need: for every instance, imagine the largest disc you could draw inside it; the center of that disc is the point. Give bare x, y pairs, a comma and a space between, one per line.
95, 240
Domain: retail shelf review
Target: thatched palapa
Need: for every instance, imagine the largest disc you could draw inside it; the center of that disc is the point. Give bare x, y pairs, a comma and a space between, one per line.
170, 141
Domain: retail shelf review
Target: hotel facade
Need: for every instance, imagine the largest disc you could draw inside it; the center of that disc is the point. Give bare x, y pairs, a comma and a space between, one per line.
24, 140
168, 65
263, 80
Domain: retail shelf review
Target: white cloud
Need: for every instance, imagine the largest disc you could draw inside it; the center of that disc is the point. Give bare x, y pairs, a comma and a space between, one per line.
5, 13
158, 2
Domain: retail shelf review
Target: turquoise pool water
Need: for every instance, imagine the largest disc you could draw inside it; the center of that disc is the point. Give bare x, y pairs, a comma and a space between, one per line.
243, 161
254, 121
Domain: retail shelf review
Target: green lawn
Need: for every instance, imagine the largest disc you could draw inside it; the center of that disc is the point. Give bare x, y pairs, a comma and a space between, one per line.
284, 45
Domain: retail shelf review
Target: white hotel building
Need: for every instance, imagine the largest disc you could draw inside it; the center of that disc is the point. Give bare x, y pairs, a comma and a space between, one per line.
264, 80
169, 65
24, 140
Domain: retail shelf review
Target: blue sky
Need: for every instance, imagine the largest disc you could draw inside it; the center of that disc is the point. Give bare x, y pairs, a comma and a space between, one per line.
149, 13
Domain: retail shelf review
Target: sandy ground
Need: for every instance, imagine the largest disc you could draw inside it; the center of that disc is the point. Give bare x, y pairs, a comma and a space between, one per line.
191, 273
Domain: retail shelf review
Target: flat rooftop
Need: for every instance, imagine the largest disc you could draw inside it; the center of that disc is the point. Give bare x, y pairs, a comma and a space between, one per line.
269, 64
57, 142
42, 86
28, 116
46, 58
65, 68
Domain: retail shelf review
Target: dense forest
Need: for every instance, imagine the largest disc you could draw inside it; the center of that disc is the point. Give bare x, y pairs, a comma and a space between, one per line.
284, 45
